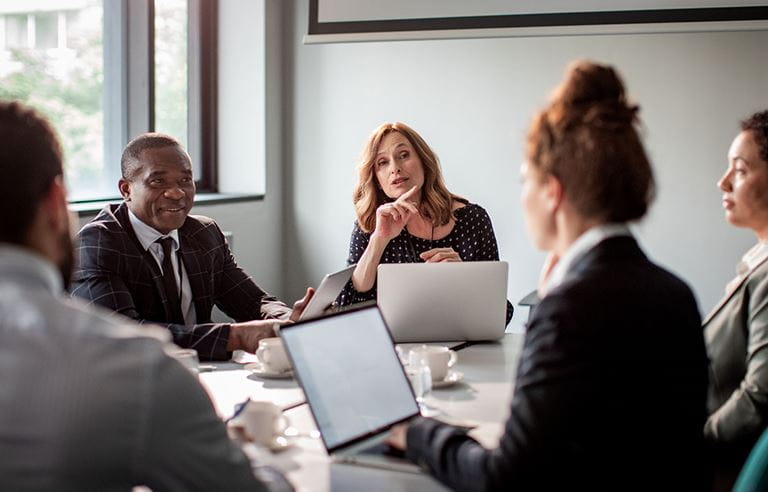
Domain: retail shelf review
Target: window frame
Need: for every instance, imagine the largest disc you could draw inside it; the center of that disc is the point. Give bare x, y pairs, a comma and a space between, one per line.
129, 84
202, 90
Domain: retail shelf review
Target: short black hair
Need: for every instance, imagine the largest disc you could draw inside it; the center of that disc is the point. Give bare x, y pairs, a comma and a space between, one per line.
129, 162
30, 160
758, 125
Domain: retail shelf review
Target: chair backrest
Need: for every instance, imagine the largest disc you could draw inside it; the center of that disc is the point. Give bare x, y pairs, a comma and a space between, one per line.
530, 301
754, 475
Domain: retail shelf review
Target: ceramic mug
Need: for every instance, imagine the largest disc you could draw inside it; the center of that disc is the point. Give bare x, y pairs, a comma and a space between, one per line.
262, 422
272, 356
437, 357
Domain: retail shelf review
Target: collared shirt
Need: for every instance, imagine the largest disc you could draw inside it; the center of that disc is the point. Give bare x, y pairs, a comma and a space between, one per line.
752, 258
148, 237
581, 246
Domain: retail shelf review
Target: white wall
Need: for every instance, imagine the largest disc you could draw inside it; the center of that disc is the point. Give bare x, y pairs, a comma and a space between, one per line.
472, 100
250, 151
242, 101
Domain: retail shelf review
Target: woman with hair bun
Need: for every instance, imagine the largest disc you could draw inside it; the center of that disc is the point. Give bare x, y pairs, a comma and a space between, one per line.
610, 391
736, 331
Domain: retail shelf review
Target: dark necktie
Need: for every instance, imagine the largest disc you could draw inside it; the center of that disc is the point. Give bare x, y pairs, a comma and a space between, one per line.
169, 280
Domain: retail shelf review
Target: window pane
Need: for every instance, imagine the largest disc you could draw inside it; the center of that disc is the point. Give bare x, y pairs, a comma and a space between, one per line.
15, 31
171, 68
64, 84
46, 31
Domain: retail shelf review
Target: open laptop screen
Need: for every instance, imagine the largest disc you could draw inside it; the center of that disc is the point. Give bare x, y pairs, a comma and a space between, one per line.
350, 373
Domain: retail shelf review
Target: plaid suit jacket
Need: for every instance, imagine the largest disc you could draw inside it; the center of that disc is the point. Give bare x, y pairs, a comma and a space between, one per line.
116, 272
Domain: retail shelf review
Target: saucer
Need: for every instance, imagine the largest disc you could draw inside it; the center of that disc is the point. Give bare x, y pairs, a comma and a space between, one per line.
258, 369
451, 378
279, 443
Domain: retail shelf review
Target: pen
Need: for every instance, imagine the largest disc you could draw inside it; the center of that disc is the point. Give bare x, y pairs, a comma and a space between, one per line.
239, 409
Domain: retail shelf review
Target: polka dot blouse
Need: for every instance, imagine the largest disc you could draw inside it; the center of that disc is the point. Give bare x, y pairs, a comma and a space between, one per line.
472, 237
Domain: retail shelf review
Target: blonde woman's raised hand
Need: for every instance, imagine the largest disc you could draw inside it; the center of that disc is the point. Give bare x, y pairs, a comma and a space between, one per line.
392, 217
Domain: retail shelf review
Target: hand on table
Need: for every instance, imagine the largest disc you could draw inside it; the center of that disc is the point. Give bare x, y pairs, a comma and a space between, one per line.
392, 217
246, 336
439, 255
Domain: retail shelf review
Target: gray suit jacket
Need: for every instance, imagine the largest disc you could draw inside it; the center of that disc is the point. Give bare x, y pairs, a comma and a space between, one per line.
90, 401
736, 333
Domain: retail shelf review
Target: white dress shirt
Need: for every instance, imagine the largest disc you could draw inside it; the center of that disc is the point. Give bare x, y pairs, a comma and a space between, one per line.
147, 237
581, 246
752, 258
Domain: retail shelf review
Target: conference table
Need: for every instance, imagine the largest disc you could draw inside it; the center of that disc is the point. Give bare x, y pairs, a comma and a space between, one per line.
480, 399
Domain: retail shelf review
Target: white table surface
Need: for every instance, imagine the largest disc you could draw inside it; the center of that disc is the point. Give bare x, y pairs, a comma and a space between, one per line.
482, 398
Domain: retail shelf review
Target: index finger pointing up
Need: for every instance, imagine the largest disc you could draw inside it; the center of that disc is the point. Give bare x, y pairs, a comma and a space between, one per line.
408, 194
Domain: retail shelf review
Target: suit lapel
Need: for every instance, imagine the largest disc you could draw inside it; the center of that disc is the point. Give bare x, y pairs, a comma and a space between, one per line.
728, 295
147, 260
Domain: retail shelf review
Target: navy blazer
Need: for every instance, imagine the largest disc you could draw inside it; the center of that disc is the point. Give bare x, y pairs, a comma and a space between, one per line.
116, 272
610, 391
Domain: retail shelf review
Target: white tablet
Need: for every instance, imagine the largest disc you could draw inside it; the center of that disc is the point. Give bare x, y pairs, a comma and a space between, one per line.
327, 292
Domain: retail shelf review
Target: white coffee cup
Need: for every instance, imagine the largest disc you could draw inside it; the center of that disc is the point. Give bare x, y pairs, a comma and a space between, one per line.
187, 357
437, 357
262, 421
272, 356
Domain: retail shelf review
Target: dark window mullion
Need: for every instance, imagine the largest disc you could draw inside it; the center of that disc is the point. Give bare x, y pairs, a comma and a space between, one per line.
202, 87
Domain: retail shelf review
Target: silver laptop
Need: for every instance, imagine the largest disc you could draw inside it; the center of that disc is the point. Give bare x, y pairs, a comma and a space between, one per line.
438, 302
327, 292
354, 383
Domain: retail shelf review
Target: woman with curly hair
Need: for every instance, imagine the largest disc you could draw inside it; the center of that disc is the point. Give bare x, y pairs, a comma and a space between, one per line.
736, 330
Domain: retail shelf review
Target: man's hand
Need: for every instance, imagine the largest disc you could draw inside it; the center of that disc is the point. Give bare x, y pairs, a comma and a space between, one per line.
298, 306
246, 336
439, 255
398, 436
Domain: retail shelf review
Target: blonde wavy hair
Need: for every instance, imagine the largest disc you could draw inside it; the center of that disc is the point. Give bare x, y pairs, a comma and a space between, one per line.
436, 201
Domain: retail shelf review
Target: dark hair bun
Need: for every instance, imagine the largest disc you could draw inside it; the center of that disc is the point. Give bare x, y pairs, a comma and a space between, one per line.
592, 94
587, 138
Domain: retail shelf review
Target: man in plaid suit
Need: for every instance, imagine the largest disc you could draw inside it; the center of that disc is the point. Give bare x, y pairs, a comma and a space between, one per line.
114, 411
148, 259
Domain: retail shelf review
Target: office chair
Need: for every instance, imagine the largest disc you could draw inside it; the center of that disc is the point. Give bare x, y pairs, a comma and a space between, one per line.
530, 302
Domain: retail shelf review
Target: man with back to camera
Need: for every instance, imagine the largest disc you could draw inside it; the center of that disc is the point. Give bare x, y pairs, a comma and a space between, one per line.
127, 253
88, 401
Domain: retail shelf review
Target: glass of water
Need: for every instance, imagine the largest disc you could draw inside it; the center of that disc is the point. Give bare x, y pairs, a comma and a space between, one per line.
421, 380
